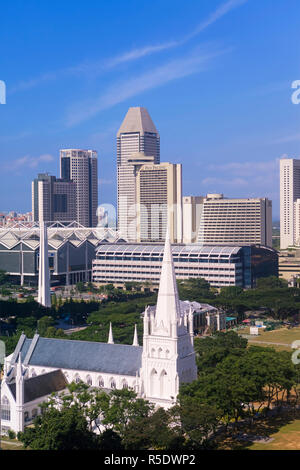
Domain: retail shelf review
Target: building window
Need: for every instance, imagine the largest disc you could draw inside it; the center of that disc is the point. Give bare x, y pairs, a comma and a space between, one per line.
77, 379
112, 383
100, 382
89, 380
5, 409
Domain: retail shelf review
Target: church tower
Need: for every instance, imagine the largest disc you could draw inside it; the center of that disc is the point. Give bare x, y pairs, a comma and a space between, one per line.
168, 351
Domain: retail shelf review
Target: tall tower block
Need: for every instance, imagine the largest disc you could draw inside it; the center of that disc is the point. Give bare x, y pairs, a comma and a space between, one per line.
137, 134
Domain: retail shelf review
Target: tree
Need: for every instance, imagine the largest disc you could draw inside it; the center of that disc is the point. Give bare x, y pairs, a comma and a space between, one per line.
212, 350
196, 420
80, 287
271, 282
153, 431
3, 277
65, 429
44, 323
124, 408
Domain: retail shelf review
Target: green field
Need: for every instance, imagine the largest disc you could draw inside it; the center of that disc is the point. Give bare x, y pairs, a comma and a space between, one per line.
283, 337
287, 438
274, 433
7, 444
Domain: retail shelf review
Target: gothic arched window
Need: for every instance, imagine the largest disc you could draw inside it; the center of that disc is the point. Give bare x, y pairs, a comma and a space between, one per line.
76, 378
100, 382
124, 384
89, 380
5, 409
112, 383
163, 384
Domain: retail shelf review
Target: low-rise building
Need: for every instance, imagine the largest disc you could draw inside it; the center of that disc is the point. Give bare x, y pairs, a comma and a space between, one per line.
221, 266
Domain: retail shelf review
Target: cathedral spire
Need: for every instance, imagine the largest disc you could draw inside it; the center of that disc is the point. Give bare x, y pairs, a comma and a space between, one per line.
110, 335
135, 338
168, 308
44, 276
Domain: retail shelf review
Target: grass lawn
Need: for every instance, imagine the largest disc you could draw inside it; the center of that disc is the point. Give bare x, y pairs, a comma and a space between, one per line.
287, 438
281, 432
283, 336
7, 444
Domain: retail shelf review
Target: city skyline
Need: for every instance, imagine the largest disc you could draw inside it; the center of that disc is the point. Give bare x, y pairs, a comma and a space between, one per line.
209, 78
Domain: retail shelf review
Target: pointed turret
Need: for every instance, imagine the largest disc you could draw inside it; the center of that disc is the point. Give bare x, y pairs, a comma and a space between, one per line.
44, 276
19, 372
110, 335
19, 394
168, 308
135, 338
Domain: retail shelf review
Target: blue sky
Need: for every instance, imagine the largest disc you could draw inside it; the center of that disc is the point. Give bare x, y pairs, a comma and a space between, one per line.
214, 75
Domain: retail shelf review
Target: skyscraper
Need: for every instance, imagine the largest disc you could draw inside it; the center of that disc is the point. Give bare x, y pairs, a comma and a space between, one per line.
289, 202
53, 199
137, 134
191, 214
81, 166
235, 221
159, 202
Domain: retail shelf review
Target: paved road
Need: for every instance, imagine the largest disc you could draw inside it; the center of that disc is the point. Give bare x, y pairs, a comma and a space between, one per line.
269, 342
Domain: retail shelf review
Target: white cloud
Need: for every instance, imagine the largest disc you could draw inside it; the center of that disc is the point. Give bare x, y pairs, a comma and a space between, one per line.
287, 139
27, 161
97, 67
121, 91
243, 179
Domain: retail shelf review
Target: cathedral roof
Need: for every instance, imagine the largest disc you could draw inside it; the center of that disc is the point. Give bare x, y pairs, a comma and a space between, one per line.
90, 356
41, 385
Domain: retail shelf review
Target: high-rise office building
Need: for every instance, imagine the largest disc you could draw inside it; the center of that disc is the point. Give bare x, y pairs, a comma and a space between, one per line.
159, 202
191, 214
81, 166
289, 202
53, 199
235, 221
137, 135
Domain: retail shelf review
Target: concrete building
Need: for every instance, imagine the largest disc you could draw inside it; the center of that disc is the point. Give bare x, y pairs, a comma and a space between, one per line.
159, 202
71, 249
53, 199
41, 366
221, 266
289, 202
235, 221
137, 138
191, 214
289, 264
81, 166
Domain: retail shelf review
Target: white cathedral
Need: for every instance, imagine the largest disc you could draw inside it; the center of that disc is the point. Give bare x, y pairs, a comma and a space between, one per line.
40, 366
